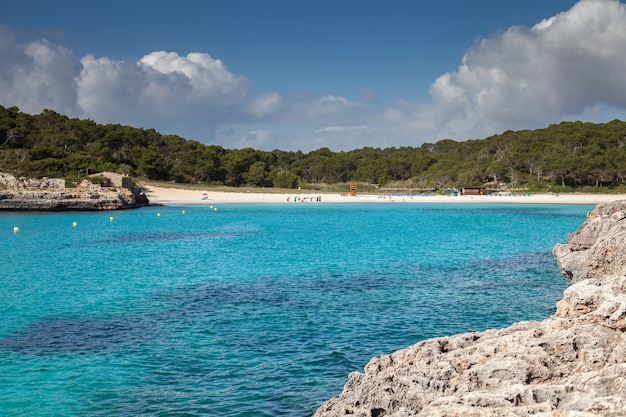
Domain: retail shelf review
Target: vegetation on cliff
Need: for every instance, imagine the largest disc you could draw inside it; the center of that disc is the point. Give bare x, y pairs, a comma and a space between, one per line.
563, 157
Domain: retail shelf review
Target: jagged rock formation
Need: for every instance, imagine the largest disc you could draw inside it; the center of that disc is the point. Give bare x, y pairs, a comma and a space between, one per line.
51, 195
13, 183
71, 200
598, 247
572, 364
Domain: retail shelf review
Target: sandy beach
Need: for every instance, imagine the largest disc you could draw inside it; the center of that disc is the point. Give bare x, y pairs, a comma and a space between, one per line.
175, 196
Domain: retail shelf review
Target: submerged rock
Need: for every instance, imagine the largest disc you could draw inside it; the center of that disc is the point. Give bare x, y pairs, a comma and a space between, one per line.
571, 364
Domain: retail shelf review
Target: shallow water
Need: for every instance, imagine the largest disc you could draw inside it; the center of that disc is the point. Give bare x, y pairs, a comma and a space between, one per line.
252, 310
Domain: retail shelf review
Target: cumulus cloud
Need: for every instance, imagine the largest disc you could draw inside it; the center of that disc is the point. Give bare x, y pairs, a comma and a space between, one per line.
527, 77
202, 79
37, 75
107, 87
161, 89
186, 95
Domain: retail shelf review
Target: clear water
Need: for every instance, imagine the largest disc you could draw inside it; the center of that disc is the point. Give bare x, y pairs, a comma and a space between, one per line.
252, 310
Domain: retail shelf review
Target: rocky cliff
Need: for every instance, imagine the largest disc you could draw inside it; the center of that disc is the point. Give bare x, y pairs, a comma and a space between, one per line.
572, 364
50, 194
58, 200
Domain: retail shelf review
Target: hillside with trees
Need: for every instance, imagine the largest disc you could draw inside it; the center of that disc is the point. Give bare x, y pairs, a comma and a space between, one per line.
563, 157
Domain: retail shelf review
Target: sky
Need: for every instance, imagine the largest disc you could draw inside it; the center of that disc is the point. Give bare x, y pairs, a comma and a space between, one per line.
307, 74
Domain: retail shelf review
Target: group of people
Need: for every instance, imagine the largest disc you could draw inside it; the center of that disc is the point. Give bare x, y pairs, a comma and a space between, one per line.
313, 199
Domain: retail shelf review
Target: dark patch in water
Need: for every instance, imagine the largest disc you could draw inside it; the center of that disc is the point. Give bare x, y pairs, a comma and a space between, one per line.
530, 211
271, 291
208, 296
516, 272
55, 336
521, 262
354, 282
164, 237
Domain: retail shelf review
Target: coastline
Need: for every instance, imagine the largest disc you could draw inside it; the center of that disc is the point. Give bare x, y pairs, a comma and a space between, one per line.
570, 364
176, 196
79, 199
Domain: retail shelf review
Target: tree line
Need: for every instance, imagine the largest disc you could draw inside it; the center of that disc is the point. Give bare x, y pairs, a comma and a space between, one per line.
568, 154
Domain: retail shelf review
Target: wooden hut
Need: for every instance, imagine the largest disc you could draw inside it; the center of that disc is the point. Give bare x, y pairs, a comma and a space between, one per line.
473, 191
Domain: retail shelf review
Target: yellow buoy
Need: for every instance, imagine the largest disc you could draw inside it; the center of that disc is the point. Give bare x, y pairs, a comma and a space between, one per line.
184, 212
16, 229
111, 218
215, 209
74, 224
158, 214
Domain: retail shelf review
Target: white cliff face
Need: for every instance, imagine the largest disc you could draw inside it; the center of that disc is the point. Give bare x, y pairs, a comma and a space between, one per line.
572, 364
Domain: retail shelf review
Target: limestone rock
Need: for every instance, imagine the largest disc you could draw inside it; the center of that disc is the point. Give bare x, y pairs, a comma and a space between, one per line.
572, 364
47, 200
50, 194
592, 250
9, 180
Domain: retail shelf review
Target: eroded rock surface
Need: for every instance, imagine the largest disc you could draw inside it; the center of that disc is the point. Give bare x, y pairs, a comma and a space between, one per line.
59, 200
50, 194
571, 364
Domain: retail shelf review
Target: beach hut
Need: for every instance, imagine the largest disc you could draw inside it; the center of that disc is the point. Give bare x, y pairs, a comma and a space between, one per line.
473, 191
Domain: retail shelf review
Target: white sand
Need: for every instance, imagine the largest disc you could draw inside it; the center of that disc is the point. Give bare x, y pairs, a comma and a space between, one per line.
175, 196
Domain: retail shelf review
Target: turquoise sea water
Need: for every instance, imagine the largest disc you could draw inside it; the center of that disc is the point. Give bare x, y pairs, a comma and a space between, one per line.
252, 310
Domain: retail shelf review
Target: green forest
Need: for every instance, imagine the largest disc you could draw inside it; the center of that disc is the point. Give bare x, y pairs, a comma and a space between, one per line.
568, 156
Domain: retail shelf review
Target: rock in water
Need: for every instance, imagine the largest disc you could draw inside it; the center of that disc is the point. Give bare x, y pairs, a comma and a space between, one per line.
572, 364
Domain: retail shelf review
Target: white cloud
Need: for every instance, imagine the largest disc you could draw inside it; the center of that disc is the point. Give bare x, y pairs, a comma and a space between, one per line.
264, 105
202, 78
530, 77
311, 110
37, 75
186, 95
108, 88
177, 94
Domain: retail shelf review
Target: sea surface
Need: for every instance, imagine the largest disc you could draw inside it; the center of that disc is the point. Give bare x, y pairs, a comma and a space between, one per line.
253, 310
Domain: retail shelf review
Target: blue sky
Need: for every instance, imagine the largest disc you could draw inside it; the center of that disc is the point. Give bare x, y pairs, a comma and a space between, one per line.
306, 74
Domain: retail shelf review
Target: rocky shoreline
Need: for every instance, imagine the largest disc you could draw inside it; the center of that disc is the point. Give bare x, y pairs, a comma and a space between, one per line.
29, 200
572, 364
51, 195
